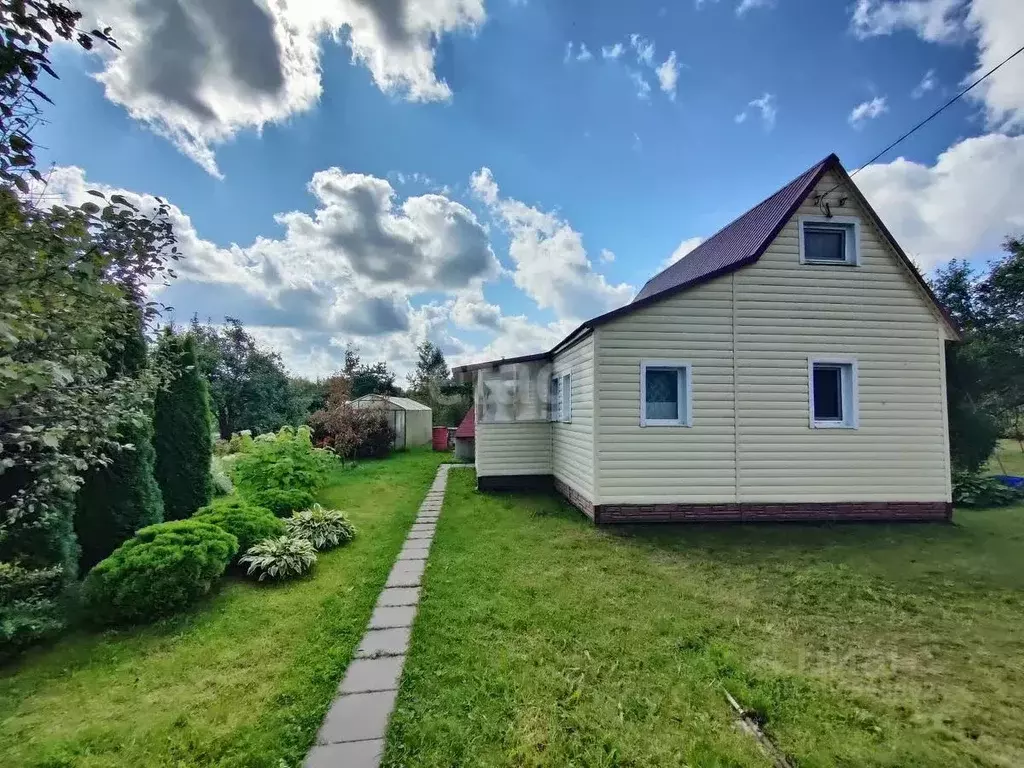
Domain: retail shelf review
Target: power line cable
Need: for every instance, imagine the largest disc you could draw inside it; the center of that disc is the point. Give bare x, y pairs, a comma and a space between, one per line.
930, 117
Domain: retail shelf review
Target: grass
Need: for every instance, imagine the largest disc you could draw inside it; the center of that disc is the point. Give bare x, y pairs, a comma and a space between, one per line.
542, 641
1008, 459
242, 681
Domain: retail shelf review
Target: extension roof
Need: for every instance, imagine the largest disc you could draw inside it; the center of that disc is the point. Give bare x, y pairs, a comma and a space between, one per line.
740, 243
468, 426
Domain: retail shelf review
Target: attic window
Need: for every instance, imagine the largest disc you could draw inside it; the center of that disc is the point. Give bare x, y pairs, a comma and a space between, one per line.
829, 240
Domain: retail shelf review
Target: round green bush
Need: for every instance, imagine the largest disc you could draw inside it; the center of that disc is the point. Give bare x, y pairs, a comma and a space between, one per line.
164, 569
280, 501
246, 522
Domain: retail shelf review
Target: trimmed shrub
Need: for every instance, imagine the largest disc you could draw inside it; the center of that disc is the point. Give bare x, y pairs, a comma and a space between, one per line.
324, 528
972, 489
222, 485
181, 421
163, 570
279, 501
117, 500
284, 557
354, 432
247, 523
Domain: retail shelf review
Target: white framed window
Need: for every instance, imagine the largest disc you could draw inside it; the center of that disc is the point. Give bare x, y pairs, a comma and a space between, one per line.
832, 383
561, 397
665, 393
829, 240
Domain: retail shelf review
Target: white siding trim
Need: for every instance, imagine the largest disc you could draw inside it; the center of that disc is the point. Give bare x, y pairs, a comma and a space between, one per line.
850, 395
852, 242
945, 413
596, 418
685, 381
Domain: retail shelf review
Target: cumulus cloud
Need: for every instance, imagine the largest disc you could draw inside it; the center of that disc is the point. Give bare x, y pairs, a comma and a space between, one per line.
681, 250
668, 75
993, 24
643, 88
607, 257
551, 264
923, 205
749, 5
612, 51
644, 48
868, 110
199, 72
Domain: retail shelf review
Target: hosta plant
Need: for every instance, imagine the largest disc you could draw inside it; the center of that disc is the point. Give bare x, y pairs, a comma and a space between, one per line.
282, 557
323, 528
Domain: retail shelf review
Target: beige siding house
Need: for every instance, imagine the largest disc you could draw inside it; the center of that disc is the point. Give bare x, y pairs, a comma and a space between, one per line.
791, 367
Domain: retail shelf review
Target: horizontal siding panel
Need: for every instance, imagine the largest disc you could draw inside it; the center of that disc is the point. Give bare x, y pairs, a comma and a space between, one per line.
573, 443
522, 448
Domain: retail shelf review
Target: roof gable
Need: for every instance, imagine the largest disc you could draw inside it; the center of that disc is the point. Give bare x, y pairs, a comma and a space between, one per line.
740, 242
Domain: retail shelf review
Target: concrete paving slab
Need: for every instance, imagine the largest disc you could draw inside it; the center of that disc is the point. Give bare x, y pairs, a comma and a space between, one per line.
357, 717
399, 596
351, 754
384, 642
380, 674
387, 616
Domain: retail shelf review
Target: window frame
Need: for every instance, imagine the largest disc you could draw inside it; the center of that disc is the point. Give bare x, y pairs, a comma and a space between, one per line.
851, 225
562, 382
850, 394
685, 398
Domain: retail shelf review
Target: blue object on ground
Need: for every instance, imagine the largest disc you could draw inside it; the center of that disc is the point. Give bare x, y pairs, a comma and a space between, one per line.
1011, 480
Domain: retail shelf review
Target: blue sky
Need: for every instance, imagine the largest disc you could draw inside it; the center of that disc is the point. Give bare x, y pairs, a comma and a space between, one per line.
464, 170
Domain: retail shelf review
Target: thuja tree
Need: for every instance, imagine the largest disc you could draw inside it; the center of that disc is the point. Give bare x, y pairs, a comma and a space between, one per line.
121, 495
71, 282
183, 425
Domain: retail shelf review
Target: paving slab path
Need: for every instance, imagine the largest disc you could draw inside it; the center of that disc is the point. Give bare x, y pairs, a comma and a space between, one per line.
353, 731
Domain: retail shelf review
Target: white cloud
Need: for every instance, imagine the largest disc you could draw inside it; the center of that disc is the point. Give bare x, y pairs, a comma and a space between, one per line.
766, 106
200, 72
681, 250
924, 205
928, 83
668, 75
551, 264
994, 24
584, 54
643, 88
933, 20
581, 54
749, 5
612, 51
607, 257
868, 110
644, 49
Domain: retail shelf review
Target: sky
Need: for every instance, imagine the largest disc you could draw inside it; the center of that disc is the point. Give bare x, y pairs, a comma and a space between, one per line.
486, 174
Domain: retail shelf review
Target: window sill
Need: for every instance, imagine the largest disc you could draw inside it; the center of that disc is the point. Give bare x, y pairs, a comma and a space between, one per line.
826, 262
831, 425
664, 424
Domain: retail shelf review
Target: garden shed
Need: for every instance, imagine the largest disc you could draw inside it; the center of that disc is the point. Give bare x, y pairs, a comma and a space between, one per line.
410, 420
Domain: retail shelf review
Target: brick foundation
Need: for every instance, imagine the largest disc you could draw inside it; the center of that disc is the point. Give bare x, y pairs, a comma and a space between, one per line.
574, 497
893, 511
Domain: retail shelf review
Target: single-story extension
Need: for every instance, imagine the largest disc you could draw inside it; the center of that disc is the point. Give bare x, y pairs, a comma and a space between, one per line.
411, 420
791, 367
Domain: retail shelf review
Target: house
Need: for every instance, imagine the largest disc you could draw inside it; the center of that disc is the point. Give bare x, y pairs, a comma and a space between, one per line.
411, 420
465, 436
791, 367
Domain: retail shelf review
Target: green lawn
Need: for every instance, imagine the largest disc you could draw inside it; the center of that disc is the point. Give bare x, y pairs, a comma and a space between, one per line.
1008, 459
542, 641
242, 681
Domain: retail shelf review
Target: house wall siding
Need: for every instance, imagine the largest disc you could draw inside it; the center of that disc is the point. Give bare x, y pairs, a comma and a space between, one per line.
513, 448
573, 443
749, 335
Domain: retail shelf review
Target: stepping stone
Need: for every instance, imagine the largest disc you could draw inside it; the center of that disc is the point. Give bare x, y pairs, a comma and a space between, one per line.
366, 675
413, 554
357, 717
387, 616
420, 536
351, 754
399, 596
407, 573
384, 642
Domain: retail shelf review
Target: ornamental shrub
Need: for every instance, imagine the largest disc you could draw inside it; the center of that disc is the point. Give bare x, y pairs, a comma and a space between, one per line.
249, 524
279, 501
288, 462
163, 570
284, 557
324, 528
972, 489
182, 426
30, 606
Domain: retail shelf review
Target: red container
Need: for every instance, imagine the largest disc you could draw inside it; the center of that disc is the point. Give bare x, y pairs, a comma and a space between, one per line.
440, 438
